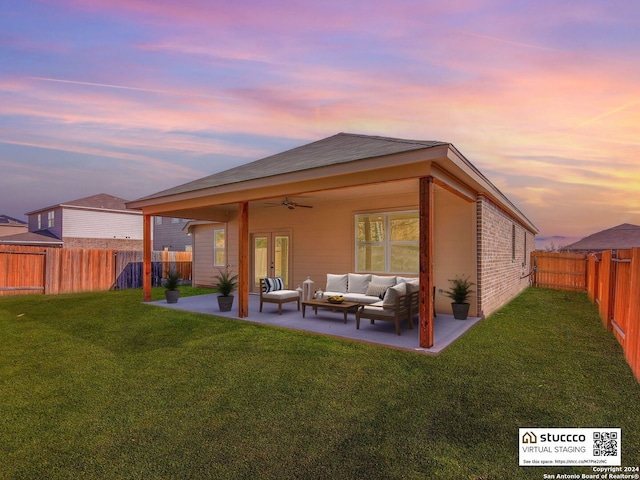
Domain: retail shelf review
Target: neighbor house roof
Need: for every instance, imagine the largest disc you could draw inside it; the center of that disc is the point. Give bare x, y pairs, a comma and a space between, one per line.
39, 238
7, 220
621, 237
100, 201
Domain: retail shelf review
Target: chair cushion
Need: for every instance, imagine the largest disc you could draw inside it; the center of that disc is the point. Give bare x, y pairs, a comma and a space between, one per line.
358, 282
392, 295
336, 283
375, 310
281, 295
273, 284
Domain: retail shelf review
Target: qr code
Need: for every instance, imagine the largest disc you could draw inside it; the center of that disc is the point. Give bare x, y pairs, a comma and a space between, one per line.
605, 444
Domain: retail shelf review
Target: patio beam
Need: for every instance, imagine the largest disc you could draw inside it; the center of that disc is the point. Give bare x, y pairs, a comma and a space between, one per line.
426, 261
243, 260
146, 257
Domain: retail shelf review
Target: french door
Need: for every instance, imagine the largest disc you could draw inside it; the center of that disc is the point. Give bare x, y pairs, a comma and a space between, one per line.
271, 257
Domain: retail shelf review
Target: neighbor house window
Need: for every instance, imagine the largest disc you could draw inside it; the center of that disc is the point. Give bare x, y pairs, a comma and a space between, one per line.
39, 221
219, 252
158, 220
51, 219
388, 242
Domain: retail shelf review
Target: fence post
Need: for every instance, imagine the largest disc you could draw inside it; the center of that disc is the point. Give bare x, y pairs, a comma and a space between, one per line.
632, 342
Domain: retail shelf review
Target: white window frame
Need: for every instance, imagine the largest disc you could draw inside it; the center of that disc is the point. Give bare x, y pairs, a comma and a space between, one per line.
386, 243
51, 219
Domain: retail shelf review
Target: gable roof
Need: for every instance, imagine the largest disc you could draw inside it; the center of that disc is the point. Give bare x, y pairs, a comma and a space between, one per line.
335, 155
101, 201
621, 237
334, 150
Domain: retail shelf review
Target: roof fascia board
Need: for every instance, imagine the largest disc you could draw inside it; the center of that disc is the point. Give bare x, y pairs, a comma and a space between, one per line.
452, 184
484, 186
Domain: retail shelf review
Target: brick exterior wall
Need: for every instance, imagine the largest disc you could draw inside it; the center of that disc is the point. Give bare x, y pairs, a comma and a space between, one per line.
103, 243
504, 252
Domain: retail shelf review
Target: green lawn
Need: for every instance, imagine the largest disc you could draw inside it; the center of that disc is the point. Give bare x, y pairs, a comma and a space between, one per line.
102, 386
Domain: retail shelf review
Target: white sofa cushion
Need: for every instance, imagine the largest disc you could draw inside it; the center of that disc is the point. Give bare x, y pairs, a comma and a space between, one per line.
358, 282
383, 280
336, 283
392, 295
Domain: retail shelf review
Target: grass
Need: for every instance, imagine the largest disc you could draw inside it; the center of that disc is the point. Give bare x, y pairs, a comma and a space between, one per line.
102, 386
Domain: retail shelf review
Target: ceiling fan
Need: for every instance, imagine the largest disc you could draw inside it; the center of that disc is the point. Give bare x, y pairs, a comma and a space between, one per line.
290, 204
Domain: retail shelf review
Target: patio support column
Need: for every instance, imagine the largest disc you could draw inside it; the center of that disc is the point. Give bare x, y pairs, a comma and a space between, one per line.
426, 261
146, 257
243, 260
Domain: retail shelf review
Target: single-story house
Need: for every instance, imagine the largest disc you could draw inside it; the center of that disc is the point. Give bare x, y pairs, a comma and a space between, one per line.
12, 226
616, 238
354, 203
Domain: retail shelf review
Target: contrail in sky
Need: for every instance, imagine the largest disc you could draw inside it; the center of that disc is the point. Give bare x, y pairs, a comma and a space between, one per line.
122, 87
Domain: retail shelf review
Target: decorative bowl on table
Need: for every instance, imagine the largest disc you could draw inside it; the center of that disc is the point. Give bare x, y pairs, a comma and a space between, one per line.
335, 299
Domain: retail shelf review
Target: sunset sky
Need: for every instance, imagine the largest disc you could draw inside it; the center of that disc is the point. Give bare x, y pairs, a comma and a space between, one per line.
132, 97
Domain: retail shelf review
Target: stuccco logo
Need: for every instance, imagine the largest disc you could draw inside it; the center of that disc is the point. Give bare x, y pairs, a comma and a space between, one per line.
530, 437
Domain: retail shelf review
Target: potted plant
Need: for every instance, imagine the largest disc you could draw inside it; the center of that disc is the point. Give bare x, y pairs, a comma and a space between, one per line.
226, 283
459, 293
171, 292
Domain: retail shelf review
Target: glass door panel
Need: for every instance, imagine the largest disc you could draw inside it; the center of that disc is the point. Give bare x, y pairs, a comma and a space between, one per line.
259, 259
271, 257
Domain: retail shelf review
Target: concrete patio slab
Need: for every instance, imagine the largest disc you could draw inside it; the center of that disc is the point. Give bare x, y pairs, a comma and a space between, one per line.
446, 328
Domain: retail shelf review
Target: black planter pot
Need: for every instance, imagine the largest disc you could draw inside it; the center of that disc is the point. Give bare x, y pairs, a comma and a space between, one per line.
172, 295
460, 310
225, 303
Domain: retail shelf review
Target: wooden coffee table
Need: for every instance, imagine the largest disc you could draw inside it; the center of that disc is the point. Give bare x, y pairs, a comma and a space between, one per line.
343, 307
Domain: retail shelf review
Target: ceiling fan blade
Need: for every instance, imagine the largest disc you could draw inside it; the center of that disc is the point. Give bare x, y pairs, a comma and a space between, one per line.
304, 206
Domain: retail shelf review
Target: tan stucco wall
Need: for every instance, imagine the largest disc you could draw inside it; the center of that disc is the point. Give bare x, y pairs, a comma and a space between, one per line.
455, 246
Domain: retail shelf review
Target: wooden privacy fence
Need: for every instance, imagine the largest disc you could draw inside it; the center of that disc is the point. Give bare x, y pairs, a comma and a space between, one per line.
560, 271
28, 270
612, 281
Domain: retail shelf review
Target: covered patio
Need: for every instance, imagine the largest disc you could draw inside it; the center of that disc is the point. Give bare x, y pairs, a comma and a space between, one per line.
328, 323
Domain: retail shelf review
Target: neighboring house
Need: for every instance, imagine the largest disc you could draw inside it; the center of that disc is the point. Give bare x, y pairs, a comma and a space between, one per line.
169, 233
12, 226
355, 203
617, 238
100, 221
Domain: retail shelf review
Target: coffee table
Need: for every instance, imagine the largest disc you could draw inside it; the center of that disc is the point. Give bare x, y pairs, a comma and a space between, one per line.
343, 307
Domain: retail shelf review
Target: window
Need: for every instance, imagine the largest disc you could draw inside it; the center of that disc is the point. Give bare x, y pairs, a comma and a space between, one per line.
388, 242
39, 221
51, 219
158, 220
175, 220
219, 252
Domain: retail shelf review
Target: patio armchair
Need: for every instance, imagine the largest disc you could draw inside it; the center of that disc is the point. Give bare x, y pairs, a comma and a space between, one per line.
270, 294
402, 307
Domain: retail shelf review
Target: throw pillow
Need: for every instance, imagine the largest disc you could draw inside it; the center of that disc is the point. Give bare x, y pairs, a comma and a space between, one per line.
273, 284
377, 290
